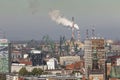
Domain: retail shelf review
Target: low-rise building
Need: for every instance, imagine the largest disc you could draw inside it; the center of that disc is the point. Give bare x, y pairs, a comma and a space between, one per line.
12, 77
65, 60
52, 63
75, 66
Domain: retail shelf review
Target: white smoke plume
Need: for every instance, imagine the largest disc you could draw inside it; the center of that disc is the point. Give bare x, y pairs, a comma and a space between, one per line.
57, 17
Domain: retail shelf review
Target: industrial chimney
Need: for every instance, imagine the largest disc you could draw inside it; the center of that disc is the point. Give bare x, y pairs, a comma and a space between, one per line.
73, 33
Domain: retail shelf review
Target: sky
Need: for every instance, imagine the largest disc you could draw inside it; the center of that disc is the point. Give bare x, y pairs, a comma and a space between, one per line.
29, 19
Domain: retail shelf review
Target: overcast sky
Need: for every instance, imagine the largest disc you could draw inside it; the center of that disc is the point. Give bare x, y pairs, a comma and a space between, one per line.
29, 19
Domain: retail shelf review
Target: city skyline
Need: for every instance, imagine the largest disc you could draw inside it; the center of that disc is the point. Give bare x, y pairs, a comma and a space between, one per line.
29, 19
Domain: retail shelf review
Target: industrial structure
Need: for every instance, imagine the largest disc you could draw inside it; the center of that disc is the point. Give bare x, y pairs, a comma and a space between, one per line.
62, 58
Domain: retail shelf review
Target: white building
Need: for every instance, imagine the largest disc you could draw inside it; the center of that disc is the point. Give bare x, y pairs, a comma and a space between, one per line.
17, 67
52, 63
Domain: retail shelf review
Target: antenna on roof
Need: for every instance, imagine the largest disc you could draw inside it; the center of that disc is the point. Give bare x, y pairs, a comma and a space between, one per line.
93, 31
87, 34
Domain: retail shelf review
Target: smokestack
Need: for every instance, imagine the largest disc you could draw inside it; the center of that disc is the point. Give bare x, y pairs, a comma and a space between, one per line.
73, 33
58, 18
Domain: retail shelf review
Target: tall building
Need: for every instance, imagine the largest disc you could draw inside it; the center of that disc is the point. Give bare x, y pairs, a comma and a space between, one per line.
87, 55
94, 55
5, 61
37, 58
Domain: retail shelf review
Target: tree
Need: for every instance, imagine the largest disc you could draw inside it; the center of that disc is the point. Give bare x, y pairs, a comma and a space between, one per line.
23, 71
40, 71
36, 71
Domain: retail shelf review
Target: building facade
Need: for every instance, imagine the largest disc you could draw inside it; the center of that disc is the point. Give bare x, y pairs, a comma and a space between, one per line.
4, 56
94, 55
37, 58
52, 63
65, 60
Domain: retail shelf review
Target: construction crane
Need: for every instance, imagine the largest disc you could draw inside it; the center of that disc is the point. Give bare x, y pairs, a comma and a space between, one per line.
48, 42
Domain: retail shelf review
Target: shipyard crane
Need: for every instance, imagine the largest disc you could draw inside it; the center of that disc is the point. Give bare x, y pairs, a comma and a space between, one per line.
47, 41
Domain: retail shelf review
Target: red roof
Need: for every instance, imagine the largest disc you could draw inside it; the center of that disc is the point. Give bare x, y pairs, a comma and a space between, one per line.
25, 61
76, 65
